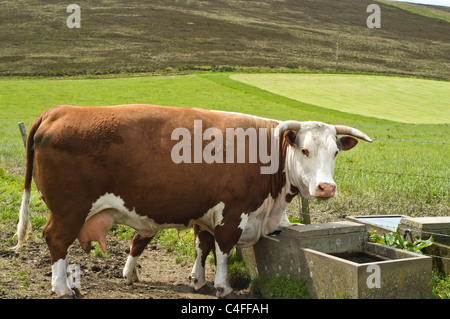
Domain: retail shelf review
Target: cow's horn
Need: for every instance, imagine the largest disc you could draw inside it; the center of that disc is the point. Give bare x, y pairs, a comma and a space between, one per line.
286, 125
340, 129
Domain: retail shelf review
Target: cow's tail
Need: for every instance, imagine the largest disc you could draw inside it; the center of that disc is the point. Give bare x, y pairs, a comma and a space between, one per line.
24, 225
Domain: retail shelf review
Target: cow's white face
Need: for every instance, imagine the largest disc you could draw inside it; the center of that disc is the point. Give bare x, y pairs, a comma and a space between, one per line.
311, 157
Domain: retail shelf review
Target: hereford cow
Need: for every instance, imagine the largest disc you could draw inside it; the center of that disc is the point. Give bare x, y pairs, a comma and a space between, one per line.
154, 167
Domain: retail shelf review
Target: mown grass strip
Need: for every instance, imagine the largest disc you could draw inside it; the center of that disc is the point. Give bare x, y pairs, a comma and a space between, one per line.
400, 99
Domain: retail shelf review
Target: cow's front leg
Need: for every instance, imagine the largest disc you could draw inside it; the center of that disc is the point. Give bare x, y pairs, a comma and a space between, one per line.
227, 235
221, 284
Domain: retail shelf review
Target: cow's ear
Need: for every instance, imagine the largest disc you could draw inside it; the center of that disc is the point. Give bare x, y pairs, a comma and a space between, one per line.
346, 143
290, 137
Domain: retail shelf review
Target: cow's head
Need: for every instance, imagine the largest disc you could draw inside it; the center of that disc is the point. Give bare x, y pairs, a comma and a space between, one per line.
311, 154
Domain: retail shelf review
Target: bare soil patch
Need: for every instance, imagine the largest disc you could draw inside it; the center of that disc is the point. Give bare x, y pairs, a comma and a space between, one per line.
27, 274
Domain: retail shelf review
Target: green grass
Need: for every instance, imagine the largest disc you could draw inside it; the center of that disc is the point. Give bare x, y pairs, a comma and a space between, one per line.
280, 288
441, 286
361, 182
180, 242
11, 188
24, 99
361, 101
406, 100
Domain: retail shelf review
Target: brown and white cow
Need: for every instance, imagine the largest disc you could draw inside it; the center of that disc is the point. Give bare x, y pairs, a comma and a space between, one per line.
97, 166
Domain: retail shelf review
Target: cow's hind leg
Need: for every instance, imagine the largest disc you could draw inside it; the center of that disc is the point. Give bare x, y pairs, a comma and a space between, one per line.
138, 244
204, 243
58, 239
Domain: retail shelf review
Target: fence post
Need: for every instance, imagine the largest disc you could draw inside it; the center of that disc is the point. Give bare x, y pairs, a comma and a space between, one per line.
23, 132
305, 218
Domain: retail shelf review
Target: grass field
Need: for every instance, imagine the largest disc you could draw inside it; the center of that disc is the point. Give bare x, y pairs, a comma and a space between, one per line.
405, 100
24, 99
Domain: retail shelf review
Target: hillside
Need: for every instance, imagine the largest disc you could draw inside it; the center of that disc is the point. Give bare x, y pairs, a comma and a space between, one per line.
143, 36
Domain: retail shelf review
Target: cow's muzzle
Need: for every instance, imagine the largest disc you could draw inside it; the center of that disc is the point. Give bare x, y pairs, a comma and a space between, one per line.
325, 190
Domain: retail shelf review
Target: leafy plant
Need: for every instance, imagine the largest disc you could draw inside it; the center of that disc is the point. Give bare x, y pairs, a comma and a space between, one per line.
396, 240
97, 251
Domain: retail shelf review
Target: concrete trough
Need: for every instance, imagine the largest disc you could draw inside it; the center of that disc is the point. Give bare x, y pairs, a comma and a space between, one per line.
336, 261
424, 227
439, 228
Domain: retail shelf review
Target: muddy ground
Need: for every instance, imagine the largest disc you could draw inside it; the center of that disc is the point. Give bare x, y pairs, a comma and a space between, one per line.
27, 274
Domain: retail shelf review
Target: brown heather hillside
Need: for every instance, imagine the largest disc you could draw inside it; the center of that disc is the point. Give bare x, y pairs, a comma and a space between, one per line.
144, 36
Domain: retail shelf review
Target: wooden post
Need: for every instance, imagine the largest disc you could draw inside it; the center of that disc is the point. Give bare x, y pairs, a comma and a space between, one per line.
23, 132
305, 218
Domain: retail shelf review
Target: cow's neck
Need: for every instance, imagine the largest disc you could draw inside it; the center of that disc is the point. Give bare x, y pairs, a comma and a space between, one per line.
281, 179
281, 191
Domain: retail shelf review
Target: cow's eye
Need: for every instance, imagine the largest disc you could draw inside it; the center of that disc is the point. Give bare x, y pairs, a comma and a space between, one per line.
305, 152
335, 154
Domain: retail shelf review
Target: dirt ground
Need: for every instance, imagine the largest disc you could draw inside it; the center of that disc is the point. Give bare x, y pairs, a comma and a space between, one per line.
27, 274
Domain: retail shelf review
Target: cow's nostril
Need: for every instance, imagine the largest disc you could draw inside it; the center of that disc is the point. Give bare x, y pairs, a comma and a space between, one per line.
325, 190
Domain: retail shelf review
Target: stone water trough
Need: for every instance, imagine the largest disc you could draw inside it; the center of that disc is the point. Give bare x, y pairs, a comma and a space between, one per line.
335, 260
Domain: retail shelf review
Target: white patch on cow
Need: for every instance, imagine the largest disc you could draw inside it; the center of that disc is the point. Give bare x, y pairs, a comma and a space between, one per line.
244, 220
221, 279
284, 222
264, 220
60, 283
307, 172
129, 271
212, 218
115, 206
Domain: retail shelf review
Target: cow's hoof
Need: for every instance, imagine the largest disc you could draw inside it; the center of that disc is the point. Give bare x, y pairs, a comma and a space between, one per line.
130, 278
222, 292
196, 284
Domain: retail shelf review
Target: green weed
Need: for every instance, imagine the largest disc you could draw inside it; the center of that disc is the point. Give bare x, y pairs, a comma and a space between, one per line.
97, 251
